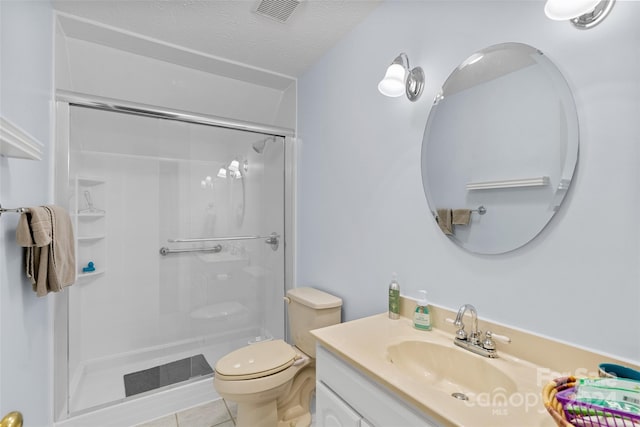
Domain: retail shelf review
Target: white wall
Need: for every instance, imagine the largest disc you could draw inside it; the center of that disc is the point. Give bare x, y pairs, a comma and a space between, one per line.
25, 95
362, 211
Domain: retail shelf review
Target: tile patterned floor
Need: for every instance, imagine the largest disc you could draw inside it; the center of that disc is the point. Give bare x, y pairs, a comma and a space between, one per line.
213, 414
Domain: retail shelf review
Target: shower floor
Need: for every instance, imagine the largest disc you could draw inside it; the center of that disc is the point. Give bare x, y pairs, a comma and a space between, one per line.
168, 374
99, 384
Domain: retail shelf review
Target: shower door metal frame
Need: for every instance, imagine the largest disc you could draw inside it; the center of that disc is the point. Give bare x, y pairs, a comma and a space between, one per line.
61, 171
120, 106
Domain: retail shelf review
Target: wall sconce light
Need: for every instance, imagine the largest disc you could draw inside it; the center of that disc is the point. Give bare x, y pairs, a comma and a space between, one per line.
207, 182
235, 169
584, 14
400, 79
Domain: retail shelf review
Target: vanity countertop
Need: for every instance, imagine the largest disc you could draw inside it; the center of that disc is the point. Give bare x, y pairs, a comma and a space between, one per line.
365, 343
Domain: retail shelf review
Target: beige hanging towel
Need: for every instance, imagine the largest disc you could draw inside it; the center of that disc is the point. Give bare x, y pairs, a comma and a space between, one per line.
444, 219
47, 235
461, 216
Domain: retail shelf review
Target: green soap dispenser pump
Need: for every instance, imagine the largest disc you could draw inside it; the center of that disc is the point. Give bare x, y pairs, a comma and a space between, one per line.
421, 317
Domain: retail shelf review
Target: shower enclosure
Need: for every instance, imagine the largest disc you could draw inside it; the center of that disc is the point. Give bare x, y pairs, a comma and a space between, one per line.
180, 232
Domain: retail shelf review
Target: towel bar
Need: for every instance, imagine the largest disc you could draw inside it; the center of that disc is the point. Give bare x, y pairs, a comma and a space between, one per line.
16, 210
480, 211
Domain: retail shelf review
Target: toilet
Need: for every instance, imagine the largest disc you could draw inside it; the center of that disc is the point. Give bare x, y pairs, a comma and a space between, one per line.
272, 382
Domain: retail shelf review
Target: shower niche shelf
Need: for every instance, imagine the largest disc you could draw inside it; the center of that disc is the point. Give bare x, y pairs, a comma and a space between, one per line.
89, 216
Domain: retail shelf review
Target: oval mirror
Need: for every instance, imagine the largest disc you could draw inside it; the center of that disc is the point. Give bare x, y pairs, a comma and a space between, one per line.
499, 148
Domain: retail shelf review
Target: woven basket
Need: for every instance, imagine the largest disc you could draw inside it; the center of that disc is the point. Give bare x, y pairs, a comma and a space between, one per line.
551, 403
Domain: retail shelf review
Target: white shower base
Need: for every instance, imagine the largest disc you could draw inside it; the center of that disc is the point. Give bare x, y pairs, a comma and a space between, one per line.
98, 394
132, 412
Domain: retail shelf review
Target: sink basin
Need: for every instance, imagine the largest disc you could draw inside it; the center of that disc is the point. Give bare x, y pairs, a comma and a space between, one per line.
452, 369
433, 375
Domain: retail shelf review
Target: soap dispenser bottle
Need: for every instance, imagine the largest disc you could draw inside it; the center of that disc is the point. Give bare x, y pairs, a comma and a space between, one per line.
421, 317
394, 298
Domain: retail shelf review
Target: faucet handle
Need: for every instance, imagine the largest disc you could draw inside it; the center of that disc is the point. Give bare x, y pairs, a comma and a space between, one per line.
502, 338
460, 333
489, 343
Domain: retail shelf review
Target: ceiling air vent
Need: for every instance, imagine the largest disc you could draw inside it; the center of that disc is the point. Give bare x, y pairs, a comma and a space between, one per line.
280, 10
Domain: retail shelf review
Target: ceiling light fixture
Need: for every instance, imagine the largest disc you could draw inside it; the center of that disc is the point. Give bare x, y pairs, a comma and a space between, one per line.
400, 78
584, 14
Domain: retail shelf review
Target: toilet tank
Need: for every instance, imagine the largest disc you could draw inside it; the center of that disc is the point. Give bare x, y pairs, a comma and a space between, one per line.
309, 309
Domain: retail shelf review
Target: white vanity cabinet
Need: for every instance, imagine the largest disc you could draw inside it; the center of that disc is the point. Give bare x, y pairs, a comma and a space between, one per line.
345, 397
331, 411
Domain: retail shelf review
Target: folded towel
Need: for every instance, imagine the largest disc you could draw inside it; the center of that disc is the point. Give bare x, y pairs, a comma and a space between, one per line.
47, 235
444, 220
461, 216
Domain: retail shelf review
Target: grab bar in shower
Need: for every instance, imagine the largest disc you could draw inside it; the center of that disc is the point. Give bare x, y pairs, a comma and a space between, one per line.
166, 251
272, 239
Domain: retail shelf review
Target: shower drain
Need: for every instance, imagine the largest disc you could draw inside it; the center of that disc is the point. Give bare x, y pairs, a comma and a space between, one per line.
460, 396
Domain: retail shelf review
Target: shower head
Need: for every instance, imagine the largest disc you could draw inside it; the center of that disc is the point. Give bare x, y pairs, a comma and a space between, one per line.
258, 146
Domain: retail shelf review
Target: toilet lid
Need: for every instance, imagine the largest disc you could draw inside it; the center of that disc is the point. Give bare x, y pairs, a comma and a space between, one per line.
257, 360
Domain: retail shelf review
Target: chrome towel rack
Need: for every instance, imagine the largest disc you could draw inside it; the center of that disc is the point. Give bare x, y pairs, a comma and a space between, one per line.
14, 210
480, 211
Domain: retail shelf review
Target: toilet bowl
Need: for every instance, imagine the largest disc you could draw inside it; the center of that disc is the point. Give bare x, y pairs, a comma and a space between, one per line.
273, 382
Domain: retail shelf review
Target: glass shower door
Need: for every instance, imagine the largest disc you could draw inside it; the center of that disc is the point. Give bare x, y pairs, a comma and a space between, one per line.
180, 231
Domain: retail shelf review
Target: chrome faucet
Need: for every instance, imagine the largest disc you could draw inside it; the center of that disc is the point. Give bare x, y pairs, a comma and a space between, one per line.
461, 333
472, 341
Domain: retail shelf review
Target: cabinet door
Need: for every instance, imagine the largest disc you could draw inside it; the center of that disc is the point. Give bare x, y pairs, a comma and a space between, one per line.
372, 401
331, 411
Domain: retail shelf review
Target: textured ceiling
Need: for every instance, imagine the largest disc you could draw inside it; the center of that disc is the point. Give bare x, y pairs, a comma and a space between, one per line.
230, 29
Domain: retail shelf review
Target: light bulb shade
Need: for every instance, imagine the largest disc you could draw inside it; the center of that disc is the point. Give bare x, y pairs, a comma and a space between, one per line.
563, 10
394, 82
234, 166
222, 173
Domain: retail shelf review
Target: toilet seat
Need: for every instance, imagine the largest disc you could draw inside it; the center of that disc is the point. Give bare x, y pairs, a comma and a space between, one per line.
256, 361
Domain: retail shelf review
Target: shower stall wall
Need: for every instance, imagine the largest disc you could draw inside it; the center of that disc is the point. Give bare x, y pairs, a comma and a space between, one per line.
180, 231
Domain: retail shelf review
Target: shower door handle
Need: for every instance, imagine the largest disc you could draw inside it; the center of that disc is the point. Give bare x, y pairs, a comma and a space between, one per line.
273, 240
